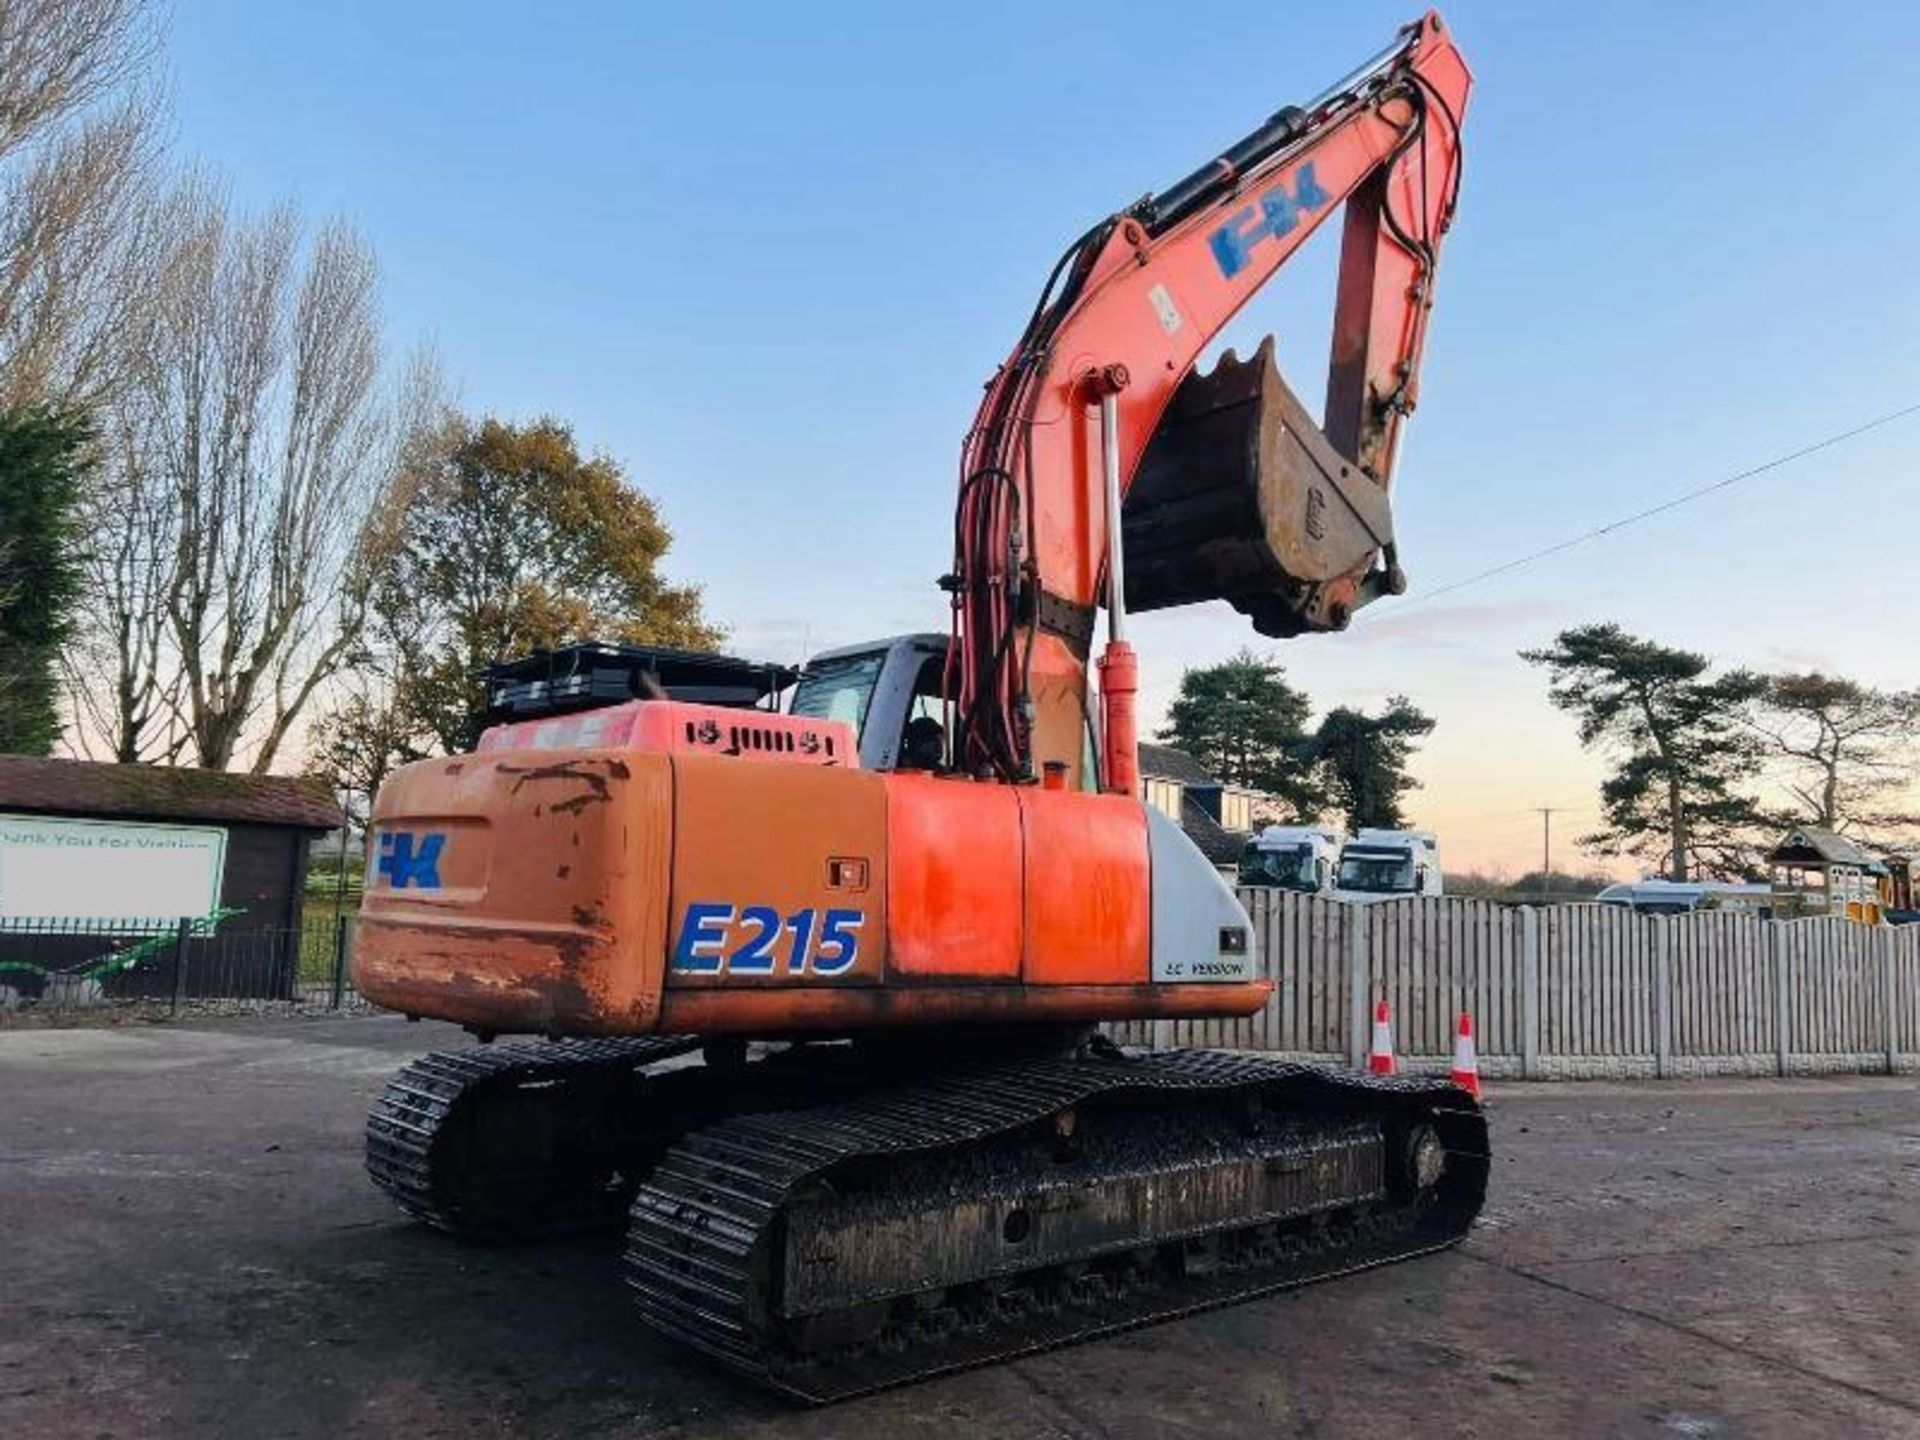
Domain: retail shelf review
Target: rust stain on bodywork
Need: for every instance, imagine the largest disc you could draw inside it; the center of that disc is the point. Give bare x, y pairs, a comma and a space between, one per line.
493, 979
828, 1009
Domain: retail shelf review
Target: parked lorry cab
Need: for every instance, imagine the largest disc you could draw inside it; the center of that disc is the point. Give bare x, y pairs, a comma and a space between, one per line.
1389, 864
1302, 858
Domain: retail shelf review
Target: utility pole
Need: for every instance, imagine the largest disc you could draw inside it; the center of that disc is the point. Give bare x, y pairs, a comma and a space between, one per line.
1546, 850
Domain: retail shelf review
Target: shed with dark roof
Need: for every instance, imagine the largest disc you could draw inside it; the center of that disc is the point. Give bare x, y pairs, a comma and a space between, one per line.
1219, 845
1168, 762
270, 821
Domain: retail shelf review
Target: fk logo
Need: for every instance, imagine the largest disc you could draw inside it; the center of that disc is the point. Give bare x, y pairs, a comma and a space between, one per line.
1277, 213
409, 859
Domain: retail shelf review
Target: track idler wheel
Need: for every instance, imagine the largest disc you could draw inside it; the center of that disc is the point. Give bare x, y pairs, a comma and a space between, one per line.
1417, 1160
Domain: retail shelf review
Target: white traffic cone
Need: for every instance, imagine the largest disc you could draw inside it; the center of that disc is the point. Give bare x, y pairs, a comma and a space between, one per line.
1380, 1058
1466, 1063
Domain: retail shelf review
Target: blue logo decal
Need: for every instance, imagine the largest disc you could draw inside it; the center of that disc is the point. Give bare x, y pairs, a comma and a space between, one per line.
408, 859
1277, 212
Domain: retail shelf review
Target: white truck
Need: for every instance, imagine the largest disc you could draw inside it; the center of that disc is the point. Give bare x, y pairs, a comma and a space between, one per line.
1387, 865
1302, 858
1670, 897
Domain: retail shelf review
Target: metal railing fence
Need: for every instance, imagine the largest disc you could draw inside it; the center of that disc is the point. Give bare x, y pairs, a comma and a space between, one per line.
187, 966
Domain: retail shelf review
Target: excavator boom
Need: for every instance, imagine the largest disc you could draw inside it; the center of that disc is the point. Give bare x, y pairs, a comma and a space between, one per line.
1300, 537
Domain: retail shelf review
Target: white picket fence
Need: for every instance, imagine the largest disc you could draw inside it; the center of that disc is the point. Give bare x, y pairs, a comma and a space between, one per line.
1574, 991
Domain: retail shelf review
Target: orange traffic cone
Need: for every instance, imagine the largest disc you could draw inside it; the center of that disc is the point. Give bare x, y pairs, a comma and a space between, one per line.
1380, 1059
1466, 1064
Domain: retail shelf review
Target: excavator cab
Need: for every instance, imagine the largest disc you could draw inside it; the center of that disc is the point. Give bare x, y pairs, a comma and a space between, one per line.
890, 692
880, 688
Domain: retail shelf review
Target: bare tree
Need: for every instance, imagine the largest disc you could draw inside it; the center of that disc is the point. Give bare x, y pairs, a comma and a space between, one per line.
257, 444
79, 229
1845, 751
59, 57
123, 688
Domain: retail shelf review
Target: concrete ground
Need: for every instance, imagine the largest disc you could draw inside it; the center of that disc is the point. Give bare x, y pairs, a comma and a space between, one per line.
190, 1249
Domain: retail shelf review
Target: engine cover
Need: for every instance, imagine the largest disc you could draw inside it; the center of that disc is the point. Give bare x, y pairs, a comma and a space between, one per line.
675, 727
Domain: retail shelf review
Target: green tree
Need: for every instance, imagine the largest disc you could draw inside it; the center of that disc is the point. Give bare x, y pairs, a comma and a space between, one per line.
1682, 743
45, 457
1363, 761
1247, 724
500, 539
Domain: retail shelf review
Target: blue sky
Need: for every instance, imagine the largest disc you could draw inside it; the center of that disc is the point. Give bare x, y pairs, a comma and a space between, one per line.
765, 255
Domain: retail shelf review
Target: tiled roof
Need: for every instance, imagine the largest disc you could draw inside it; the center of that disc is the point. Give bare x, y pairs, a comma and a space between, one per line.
1811, 841
1164, 762
31, 785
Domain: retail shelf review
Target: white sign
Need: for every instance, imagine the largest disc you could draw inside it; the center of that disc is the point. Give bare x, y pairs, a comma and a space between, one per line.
145, 876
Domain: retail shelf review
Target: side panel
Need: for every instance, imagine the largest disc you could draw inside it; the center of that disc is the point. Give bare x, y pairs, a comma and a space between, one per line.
1088, 890
779, 875
1200, 930
954, 893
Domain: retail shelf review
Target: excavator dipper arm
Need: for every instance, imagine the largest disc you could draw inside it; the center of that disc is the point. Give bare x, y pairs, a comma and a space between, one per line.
1131, 307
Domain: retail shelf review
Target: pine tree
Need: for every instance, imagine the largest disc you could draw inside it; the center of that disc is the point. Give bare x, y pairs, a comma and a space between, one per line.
1364, 760
1682, 745
1247, 724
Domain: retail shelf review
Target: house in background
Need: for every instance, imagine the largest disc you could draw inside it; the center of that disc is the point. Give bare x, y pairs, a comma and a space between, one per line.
1217, 817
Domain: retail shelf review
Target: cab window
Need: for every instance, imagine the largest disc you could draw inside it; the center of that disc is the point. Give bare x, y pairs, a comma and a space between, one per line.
838, 689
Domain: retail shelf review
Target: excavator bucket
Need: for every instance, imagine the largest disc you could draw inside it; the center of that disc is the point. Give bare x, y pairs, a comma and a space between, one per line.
1240, 497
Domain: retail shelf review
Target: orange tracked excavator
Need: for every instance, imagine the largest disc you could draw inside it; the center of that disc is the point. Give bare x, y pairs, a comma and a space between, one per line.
818, 991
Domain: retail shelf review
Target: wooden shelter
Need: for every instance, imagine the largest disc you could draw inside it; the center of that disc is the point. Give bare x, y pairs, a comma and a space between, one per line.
1817, 872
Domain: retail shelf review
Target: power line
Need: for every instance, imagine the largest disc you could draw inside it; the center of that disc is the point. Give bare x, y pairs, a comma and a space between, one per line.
1523, 815
1675, 503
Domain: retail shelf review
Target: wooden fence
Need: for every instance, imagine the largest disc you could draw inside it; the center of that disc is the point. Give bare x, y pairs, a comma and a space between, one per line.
1571, 991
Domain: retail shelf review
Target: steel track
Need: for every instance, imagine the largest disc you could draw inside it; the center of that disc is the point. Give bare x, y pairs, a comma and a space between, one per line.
727, 1153
704, 1243
418, 1148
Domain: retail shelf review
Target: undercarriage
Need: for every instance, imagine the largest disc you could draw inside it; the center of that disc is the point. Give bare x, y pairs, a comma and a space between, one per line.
832, 1219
